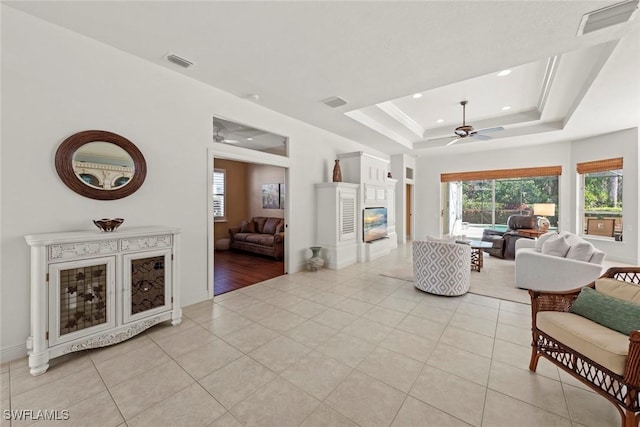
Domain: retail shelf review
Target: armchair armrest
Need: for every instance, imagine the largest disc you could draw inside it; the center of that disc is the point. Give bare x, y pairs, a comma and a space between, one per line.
551, 301
535, 270
279, 237
233, 231
525, 243
554, 300
492, 232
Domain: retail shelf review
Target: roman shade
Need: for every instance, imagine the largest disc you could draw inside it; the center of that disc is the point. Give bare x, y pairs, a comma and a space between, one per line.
501, 174
599, 165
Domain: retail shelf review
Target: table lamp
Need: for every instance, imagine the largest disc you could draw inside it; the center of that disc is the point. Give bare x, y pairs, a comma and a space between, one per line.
544, 210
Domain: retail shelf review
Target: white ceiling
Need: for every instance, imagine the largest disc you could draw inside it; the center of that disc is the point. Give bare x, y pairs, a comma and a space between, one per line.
375, 55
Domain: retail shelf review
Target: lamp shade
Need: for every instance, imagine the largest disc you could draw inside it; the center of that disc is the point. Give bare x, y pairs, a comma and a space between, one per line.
544, 209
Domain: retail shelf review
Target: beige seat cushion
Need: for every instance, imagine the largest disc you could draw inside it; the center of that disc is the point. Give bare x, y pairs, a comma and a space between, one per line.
600, 344
619, 289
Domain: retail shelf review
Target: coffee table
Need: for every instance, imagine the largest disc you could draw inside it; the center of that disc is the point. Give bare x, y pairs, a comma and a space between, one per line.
477, 248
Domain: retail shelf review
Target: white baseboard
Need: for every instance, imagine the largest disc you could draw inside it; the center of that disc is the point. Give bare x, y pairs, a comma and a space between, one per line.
13, 352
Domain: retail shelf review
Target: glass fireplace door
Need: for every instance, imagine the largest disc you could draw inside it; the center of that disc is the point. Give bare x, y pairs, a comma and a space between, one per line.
147, 278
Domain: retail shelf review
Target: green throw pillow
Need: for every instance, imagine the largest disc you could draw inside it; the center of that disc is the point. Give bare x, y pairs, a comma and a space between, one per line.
617, 314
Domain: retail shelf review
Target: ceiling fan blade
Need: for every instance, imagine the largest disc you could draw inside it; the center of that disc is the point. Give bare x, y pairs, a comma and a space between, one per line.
480, 137
436, 138
453, 142
489, 130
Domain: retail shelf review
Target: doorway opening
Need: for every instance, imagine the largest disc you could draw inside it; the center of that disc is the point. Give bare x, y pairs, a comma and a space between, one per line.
249, 222
409, 211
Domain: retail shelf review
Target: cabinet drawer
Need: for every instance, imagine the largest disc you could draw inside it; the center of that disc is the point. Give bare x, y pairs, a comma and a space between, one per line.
137, 243
66, 251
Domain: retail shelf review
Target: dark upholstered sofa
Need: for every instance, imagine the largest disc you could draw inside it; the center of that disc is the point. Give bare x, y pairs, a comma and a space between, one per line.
261, 235
504, 242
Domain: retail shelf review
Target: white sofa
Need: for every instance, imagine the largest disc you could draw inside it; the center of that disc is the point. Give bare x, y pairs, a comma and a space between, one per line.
540, 269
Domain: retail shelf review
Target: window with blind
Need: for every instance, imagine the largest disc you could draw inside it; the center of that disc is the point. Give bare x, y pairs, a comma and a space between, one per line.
486, 199
219, 194
601, 197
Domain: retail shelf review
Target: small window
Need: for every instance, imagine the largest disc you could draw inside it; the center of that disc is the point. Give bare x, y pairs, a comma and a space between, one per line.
601, 198
219, 194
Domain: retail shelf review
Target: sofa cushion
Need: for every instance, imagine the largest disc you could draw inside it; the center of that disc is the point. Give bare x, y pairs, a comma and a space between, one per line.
540, 241
241, 237
614, 313
619, 289
599, 343
556, 246
597, 257
260, 239
280, 227
581, 251
247, 227
259, 220
270, 225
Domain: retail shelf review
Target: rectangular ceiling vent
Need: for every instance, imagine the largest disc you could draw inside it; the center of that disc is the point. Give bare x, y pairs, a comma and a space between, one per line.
334, 102
608, 16
184, 63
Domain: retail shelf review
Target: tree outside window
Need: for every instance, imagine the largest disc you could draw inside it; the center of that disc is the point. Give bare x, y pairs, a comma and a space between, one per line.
491, 202
602, 213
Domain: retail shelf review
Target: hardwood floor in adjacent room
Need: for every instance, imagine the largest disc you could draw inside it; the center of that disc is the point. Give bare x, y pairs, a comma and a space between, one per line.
235, 270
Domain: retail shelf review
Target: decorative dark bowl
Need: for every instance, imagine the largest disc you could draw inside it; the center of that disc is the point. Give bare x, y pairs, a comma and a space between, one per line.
106, 224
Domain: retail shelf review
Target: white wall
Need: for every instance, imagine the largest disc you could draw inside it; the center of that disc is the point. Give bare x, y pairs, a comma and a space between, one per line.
618, 144
56, 83
428, 170
566, 154
399, 163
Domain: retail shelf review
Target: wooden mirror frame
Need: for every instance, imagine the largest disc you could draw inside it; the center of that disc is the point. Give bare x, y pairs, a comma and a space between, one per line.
64, 164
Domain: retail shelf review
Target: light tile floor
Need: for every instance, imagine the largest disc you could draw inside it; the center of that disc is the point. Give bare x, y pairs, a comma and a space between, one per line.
330, 348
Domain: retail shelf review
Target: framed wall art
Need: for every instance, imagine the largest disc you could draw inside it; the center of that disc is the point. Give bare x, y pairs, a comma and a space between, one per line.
270, 196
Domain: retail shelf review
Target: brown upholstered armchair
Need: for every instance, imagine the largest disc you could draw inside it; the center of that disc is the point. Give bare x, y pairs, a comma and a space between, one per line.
504, 242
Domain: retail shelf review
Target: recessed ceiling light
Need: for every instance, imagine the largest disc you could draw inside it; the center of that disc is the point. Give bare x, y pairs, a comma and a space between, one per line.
504, 73
439, 120
506, 108
417, 95
249, 139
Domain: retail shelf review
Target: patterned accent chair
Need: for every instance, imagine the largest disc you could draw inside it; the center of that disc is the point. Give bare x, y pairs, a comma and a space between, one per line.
442, 268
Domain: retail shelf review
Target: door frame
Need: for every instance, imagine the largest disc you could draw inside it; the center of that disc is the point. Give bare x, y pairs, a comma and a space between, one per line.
409, 207
229, 152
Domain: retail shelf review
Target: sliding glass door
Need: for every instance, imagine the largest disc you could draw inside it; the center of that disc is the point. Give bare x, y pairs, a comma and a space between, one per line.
489, 203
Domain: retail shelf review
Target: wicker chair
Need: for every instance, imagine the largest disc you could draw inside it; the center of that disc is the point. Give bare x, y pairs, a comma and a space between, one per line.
623, 390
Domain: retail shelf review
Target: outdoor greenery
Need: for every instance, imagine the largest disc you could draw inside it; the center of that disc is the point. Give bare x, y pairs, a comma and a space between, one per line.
603, 191
602, 198
512, 196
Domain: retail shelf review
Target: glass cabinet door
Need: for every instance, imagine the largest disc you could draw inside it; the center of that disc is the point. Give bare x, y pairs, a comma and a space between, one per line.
81, 298
147, 280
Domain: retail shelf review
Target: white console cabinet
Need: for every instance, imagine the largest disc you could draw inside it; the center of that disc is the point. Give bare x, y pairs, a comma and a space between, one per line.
91, 289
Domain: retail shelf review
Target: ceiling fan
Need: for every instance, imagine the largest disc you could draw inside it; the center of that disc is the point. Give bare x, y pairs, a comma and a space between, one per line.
466, 130
217, 127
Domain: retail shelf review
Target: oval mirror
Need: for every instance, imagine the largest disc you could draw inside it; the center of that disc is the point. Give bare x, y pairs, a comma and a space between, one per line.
101, 165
